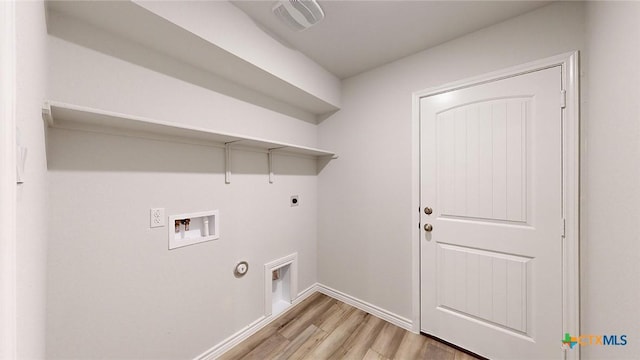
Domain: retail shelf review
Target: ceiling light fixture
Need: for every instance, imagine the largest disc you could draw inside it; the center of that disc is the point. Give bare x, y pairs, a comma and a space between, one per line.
299, 15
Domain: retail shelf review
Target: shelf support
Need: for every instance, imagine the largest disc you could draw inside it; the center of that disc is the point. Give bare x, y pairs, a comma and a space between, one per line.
270, 158
270, 155
227, 162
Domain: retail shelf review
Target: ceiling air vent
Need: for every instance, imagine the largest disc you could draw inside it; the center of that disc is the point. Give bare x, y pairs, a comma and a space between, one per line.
298, 14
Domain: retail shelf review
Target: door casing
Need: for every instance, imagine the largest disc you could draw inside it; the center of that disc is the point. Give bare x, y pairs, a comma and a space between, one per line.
569, 63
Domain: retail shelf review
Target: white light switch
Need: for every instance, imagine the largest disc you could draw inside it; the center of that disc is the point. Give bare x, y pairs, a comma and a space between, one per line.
156, 218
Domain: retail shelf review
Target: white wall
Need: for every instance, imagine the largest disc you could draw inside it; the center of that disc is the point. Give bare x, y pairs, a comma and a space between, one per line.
365, 228
610, 193
366, 212
115, 291
7, 180
32, 196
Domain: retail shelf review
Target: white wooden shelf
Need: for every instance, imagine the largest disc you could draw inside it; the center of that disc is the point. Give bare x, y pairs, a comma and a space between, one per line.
67, 116
136, 25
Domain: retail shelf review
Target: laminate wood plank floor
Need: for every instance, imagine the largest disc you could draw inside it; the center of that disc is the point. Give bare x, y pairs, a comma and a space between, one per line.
321, 327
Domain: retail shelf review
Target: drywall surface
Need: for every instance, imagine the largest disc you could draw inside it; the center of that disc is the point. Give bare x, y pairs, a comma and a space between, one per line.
114, 289
610, 193
366, 208
229, 28
85, 77
32, 195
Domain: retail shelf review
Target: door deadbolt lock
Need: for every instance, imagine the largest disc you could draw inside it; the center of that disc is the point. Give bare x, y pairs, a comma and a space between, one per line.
428, 227
428, 210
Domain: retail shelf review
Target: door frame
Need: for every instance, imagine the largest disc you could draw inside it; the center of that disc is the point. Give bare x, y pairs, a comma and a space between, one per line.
8, 312
569, 63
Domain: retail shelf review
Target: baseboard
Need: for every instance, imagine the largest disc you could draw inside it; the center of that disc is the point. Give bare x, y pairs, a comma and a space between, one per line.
251, 329
263, 321
366, 307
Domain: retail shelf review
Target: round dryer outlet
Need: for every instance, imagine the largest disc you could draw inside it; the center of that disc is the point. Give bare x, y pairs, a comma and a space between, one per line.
241, 269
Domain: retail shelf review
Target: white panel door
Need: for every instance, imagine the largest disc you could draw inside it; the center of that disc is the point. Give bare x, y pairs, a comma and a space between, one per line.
491, 170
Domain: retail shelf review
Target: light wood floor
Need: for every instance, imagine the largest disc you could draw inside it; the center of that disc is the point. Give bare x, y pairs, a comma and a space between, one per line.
321, 327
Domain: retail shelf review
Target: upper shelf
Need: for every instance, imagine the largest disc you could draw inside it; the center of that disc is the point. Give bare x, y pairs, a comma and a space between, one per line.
140, 33
67, 116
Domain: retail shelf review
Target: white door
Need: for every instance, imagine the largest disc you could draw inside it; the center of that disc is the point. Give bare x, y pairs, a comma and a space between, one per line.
491, 170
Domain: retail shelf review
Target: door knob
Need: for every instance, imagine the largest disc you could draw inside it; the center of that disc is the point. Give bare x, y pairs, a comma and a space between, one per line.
428, 227
428, 210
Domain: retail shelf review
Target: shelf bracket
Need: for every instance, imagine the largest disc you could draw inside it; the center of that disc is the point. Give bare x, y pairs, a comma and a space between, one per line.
227, 162
270, 158
270, 155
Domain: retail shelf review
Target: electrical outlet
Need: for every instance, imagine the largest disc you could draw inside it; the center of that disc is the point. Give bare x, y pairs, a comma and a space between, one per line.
156, 218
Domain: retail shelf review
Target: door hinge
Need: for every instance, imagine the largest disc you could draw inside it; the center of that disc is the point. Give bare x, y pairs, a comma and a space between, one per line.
564, 228
563, 99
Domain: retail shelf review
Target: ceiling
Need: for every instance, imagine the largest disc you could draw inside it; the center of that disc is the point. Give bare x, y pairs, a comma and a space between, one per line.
356, 36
